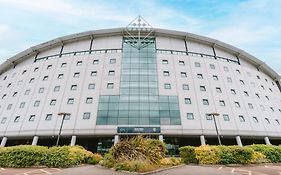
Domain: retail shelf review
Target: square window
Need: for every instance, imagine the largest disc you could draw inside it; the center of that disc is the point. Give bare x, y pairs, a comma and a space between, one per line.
215, 77
111, 73
202, 88
17, 119
49, 66
31, 118
89, 100
60, 76
63, 65
250, 106
96, 62
272, 109
229, 80
31, 80
225, 117
76, 74
56, 88
166, 73
183, 74
15, 94
255, 119
22, 104
197, 64
262, 107
91, 86
237, 104
241, 118
209, 117
4, 119
258, 77
267, 120
41, 90
199, 76
212, 66
86, 115
70, 101
187, 100
242, 82
277, 122
246, 93
181, 63
185, 87
222, 103
232, 91
73, 87
110, 85
79, 63
36, 103
257, 95
205, 102
238, 71
36, 69
53, 102
190, 116
164, 61
23, 72
218, 89
49, 117
94, 73
225, 69
167, 86
45, 78
9, 106
27, 92
112, 61
4, 96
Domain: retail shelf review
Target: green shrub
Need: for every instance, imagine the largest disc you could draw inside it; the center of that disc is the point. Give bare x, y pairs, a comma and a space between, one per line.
187, 154
207, 154
272, 153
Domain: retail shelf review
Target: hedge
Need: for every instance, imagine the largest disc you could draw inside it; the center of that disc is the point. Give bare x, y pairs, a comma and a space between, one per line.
231, 154
28, 155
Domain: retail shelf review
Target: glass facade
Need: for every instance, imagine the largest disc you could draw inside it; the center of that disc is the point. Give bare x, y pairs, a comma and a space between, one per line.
139, 102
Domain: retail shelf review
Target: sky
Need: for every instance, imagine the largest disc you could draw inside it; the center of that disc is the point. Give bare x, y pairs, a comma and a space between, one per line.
251, 25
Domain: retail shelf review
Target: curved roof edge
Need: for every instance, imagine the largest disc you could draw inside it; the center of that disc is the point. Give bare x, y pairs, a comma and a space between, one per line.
158, 32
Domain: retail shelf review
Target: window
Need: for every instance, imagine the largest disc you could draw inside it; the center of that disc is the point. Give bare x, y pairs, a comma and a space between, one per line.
246, 93
270, 89
272, 109
253, 84
94, 73
242, 82
241, 118
232, 91
36, 103
265, 79
15, 94
166, 73
45, 78
86, 115
17, 119
56, 88
31, 118
112, 61
258, 77
67, 117
9, 85
4, 119
238, 71
96, 62
257, 95
36, 69
262, 87
225, 117
199, 76
202, 88
31, 80
215, 77
22, 104
73, 87
63, 65
5, 78
27, 92
237, 104
70, 101
190, 116
262, 107
181, 63
79, 63
60, 76
41, 90
250, 106
23, 72
229, 80
4, 96
205, 102
197, 64
212, 66
218, 89
167, 86
222, 103
110, 86
53, 102
164, 61
209, 117
185, 87
277, 121
183, 74
91, 86
111, 73
49, 66
255, 119
267, 121
9, 106
76, 74
267, 97
225, 69
187, 100
89, 100
49, 117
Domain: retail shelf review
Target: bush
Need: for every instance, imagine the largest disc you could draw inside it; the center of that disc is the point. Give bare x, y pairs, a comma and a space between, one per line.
172, 161
271, 152
207, 154
187, 154
27, 156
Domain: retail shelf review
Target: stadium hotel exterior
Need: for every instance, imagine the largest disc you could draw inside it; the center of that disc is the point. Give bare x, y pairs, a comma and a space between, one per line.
138, 80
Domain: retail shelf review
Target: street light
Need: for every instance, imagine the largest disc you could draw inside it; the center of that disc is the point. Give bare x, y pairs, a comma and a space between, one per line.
214, 114
63, 114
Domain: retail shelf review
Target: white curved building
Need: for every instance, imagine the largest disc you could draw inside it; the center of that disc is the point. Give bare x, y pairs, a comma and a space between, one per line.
138, 80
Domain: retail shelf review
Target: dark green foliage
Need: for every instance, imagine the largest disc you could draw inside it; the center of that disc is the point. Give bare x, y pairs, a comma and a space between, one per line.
272, 153
187, 154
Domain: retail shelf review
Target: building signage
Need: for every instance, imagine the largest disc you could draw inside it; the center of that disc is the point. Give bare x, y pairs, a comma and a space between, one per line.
138, 130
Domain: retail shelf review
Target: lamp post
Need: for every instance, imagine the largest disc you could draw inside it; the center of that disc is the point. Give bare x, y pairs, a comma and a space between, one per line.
63, 114
214, 114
